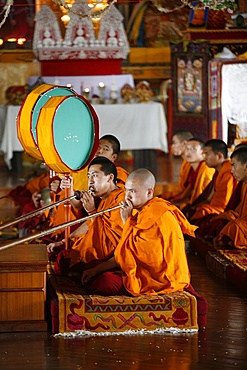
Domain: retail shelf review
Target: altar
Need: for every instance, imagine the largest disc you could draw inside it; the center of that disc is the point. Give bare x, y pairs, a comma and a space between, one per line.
80, 83
140, 127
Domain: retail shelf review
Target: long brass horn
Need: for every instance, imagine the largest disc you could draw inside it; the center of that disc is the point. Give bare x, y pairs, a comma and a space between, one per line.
77, 195
55, 228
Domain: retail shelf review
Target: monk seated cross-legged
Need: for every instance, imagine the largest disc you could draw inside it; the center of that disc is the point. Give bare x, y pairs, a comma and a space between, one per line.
150, 258
179, 141
109, 147
234, 233
236, 208
97, 238
199, 175
216, 156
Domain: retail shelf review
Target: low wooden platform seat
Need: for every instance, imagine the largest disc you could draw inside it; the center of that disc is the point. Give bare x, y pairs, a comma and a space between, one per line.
230, 265
72, 310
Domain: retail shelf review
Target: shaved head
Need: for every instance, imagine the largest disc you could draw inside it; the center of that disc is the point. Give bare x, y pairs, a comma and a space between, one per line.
139, 188
143, 176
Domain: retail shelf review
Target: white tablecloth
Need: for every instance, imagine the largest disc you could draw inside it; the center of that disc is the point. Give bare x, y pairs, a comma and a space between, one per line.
10, 142
79, 83
137, 126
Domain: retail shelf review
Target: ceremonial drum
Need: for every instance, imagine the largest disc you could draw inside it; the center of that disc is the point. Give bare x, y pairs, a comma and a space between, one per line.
67, 133
29, 113
61, 128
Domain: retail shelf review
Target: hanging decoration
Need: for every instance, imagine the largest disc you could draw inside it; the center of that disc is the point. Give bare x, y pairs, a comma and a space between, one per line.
97, 8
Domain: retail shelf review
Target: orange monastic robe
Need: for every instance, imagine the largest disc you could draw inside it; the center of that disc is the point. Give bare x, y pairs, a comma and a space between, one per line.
81, 183
236, 229
181, 185
103, 232
203, 178
38, 183
183, 175
122, 175
224, 186
151, 252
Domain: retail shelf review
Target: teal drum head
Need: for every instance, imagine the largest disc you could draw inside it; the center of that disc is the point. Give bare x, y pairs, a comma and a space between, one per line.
75, 132
43, 98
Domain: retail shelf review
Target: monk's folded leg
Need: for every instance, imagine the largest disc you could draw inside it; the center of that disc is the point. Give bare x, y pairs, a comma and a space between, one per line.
236, 232
106, 284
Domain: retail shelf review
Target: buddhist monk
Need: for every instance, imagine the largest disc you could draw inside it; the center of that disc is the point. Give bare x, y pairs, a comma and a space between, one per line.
179, 141
97, 238
29, 192
234, 234
216, 156
109, 147
235, 208
150, 257
199, 175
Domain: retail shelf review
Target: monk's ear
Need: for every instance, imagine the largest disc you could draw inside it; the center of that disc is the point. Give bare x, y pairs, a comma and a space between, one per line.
114, 157
221, 156
111, 177
150, 193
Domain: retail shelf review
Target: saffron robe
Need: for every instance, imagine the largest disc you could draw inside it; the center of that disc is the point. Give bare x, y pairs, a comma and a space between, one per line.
198, 182
236, 228
122, 175
181, 185
203, 178
22, 195
81, 183
38, 183
103, 233
224, 186
151, 252
215, 223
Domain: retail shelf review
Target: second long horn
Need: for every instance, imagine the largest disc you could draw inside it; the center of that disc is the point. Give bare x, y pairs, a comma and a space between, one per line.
28, 238
77, 195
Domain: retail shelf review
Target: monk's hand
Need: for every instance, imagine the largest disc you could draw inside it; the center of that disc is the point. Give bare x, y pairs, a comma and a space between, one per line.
36, 197
87, 275
50, 247
88, 203
55, 185
126, 210
67, 183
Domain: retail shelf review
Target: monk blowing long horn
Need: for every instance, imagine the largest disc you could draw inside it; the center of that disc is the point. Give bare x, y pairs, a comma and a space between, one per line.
55, 228
77, 195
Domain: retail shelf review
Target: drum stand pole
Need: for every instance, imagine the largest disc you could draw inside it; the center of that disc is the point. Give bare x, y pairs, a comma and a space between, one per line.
67, 210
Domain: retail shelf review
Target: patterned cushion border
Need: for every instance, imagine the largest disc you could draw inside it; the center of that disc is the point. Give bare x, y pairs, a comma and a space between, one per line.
217, 264
238, 257
229, 265
78, 311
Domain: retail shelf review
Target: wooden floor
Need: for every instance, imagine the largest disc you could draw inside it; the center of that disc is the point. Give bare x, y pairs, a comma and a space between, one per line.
223, 345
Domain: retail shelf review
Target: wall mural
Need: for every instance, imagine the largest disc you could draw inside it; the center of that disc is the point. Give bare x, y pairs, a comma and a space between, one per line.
189, 85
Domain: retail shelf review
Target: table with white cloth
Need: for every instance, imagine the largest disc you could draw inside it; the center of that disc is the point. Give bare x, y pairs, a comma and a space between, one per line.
140, 127
10, 144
